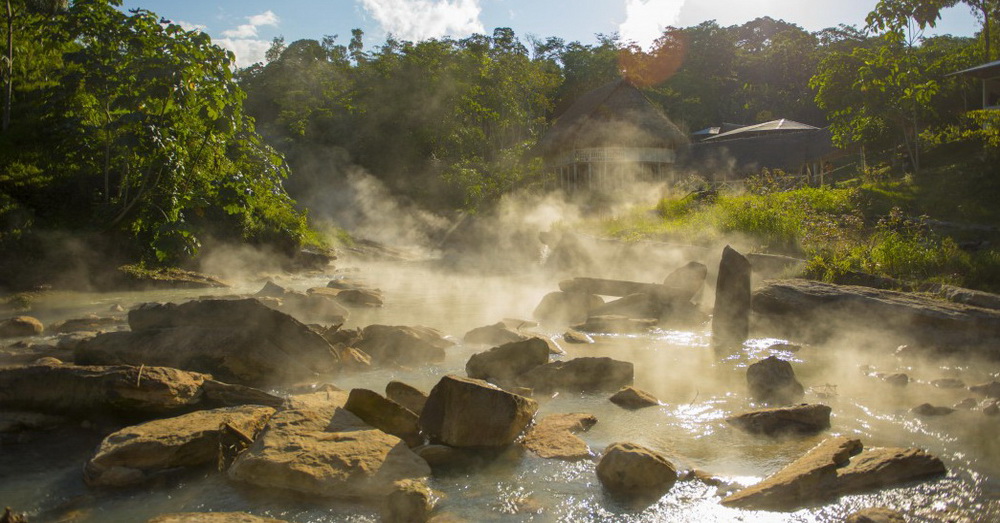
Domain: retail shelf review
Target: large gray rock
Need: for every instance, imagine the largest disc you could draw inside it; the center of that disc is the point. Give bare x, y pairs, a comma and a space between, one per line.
772, 380
464, 412
566, 307
829, 470
731, 318
20, 326
135, 454
400, 345
242, 341
385, 414
580, 375
505, 363
326, 453
632, 306
820, 310
554, 436
496, 334
800, 419
627, 469
406, 395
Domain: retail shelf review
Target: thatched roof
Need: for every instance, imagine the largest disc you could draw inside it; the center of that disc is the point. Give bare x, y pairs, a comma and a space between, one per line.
615, 114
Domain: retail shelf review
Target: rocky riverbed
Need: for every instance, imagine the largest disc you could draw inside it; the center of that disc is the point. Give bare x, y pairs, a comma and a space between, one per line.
399, 393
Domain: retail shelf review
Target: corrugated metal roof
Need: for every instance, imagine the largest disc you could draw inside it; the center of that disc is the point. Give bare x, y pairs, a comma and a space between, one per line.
988, 70
766, 127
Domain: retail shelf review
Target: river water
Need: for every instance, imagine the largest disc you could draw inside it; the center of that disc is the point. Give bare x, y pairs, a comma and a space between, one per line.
697, 386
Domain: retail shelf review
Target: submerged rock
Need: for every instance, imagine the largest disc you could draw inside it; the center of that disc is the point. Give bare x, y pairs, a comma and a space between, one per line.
572, 336
134, 454
400, 345
361, 298
496, 334
631, 470
616, 324
464, 412
327, 454
566, 307
385, 414
406, 395
90, 323
409, 502
800, 419
926, 409
580, 375
731, 318
20, 326
553, 436
875, 515
898, 379
989, 389
948, 383
772, 380
829, 470
633, 399
212, 517
505, 363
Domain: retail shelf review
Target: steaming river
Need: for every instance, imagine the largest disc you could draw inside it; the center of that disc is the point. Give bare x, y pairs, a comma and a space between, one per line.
698, 389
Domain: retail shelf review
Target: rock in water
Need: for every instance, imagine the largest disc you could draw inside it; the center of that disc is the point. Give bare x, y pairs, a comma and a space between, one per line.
616, 324
580, 375
496, 334
772, 380
327, 453
20, 326
134, 454
505, 363
731, 319
566, 307
875, 515
553, 436
406, 395
690, 279
800, 419
464, 412
392, 345
409, 502
385, 414
632, 398
829, 470
628, 469
212, 517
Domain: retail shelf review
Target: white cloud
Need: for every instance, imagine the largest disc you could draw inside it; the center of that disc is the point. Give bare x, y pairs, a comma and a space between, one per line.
243, 41
190, 26
423, 19
646, 19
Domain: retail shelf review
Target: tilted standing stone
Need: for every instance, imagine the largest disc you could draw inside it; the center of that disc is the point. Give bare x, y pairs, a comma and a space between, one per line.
731, 319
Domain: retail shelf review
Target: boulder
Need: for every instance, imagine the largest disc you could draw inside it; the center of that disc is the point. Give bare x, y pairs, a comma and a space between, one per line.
20, 326
898, 379
554, 436
615, 324
875, 515
572, 336
327, 454
628, 469
496, 334
409, 502
829, 470
633, 399
772, 380
406, 395
580, 375
815, 309
622, 288
90, 323
353, 359
688, 280
135, 454
139, 278
391, 345
315, 307
989, 389
948, 383
464, 412
566, 307
346, 284
928, 410
505, 363
212, 517
731, 317
385, 414
632, 306
800, 419
272, 290
369, 298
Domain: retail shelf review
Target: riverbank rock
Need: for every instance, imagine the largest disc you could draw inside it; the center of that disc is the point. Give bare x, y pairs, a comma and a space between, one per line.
385, 414
134, 454
555, 436
464, 412
875, 515
327, 454
633, 399
20, 326
772, 380
616, 324
805, 308
134, 277
566, 307
92, 323
829, 470
800, 419
409, 502
505, 363
241, 341
731, 317
400, 345
496, 334
628, 469
212, 517
592, 374
406, 395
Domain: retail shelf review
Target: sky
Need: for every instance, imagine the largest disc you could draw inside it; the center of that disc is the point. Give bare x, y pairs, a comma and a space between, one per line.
247, 26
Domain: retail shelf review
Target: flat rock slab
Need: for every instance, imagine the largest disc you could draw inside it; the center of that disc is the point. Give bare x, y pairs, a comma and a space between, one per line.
829, 470
616, 324
818, 308
134, 454
385, 414
591, 374
212, 517
554, 436
621, 288
800, 419
327, 454
464, 412
406, 395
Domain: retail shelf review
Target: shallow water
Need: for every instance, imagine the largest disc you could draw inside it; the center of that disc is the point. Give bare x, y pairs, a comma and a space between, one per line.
697, 386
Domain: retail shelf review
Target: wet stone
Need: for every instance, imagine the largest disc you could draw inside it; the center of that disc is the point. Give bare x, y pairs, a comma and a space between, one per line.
948, 383
926, 409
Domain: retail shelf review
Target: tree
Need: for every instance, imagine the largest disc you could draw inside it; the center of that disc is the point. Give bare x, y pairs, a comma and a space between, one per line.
14, 11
